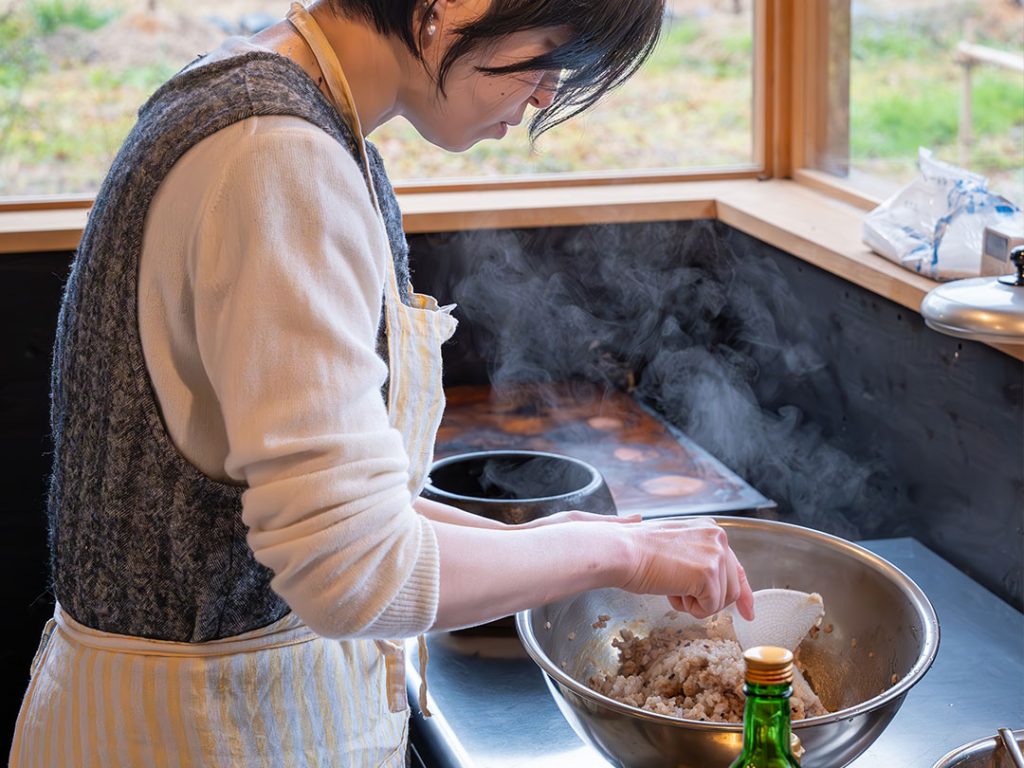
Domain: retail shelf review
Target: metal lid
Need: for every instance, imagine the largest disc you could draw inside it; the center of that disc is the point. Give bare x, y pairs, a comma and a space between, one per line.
984, 308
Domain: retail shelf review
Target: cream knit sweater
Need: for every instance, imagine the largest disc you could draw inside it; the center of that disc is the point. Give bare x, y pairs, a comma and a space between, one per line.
260, 297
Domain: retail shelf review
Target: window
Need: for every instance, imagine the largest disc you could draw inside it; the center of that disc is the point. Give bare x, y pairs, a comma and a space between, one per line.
839, 89
895, 75
74, 72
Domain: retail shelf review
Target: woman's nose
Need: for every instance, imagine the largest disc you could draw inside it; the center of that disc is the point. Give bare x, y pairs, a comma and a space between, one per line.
544, 94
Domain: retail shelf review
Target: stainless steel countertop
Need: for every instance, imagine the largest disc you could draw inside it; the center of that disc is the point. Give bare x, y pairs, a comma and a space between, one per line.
492, 708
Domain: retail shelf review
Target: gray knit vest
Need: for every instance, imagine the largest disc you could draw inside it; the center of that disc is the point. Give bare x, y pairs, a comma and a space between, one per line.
141, 541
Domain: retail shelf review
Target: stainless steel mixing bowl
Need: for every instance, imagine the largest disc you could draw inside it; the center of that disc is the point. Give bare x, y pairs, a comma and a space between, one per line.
880, 635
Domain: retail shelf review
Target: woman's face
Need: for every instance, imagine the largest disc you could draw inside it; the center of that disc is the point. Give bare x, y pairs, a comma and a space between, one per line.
477, 105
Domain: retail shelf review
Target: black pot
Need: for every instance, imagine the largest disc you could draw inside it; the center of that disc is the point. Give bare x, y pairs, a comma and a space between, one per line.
518, 486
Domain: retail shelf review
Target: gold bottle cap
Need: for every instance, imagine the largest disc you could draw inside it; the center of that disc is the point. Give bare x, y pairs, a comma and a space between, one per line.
768, 665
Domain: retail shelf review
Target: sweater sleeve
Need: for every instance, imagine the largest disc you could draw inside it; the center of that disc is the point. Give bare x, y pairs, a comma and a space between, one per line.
288, 278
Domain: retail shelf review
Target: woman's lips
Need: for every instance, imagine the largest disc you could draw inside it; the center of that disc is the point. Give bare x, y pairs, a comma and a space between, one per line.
502, 128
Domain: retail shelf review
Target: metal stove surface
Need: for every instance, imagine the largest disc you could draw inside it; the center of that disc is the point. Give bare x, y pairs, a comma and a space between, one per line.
649, 466
493, 710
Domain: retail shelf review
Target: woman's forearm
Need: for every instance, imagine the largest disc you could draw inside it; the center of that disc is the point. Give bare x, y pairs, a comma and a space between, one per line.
444, 513
486, 574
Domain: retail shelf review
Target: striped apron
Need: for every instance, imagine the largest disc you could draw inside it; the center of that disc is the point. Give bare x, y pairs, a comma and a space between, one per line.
279, 696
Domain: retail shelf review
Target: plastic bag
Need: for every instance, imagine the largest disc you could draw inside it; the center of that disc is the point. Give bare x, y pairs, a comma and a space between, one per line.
936, 224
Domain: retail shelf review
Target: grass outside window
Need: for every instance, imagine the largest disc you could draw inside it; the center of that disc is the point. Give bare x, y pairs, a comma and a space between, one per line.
906, 86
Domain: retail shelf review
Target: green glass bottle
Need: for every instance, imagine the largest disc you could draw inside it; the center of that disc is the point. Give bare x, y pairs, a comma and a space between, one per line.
766, 730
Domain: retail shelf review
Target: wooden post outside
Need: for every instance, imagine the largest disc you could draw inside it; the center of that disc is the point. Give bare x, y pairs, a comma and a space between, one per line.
968, 56
964, 137
965, 127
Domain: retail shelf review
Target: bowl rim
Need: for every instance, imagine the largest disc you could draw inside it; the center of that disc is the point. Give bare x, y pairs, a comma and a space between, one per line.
926, 611
596, 479
968, 749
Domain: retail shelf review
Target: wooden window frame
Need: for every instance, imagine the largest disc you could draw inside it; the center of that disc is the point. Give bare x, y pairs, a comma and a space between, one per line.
813, 42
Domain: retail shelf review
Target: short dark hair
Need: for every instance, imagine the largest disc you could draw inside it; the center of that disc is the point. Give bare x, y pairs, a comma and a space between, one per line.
609, 41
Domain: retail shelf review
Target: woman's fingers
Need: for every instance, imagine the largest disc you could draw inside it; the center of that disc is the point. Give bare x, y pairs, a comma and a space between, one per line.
734, 583
696, 567
712, 598
730, 580
745, 601
691, 562
697, 610
734, 589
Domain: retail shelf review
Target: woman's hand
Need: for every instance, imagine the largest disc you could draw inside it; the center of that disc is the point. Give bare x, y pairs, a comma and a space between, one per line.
688, 560
576, 516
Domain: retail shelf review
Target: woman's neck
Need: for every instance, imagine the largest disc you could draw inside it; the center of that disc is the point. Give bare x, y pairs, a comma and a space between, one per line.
374, 66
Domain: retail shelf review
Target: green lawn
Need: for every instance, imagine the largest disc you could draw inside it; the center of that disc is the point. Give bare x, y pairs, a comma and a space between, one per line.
905, 92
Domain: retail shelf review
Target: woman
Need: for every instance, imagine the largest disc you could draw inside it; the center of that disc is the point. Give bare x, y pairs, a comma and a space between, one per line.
245, 395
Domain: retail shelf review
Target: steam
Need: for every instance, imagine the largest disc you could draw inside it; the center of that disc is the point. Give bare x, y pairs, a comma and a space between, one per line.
674, 314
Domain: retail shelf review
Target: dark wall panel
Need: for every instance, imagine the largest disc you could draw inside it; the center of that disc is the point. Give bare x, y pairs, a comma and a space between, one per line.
30, 291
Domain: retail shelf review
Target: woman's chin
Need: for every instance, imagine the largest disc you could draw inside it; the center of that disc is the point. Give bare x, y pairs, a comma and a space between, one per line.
463, 143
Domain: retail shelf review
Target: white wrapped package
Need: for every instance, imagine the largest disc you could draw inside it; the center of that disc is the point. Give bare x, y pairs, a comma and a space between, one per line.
936, 224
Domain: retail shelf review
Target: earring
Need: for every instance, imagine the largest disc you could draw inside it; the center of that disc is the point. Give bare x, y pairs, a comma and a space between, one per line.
432, 20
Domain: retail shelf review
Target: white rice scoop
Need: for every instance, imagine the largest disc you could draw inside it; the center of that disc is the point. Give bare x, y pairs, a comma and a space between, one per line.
782, 617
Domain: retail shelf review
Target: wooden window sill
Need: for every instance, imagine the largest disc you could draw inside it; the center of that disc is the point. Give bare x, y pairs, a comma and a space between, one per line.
790, 216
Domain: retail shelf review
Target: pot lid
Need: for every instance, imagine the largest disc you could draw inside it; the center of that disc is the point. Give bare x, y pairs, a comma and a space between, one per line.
983, 309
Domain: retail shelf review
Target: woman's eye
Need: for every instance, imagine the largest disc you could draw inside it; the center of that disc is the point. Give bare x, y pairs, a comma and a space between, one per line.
531, 79
549, 80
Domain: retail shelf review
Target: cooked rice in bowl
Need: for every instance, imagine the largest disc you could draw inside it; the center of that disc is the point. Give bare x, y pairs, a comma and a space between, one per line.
696, 673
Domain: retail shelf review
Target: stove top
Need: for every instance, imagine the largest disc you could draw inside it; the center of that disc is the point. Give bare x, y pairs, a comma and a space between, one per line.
649, 466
